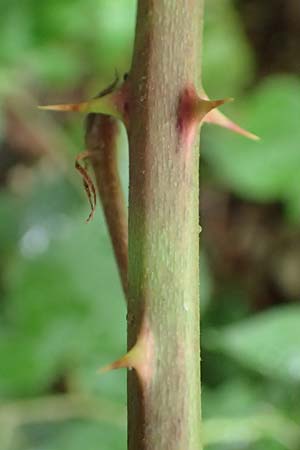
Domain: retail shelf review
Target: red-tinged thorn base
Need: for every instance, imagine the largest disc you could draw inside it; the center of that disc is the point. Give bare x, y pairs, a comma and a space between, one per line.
192, 111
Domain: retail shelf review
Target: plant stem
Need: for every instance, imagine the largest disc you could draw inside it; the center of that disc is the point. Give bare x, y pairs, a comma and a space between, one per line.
164, 411
101, 141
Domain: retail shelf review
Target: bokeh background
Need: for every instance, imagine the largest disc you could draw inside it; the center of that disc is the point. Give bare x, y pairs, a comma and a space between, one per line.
61, 309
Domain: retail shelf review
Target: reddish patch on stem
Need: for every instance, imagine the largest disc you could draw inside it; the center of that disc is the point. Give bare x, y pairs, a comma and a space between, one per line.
144, 364
187, 116
121, 99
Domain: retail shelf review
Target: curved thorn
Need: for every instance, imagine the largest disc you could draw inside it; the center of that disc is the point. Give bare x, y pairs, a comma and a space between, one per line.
88, 183
109, 89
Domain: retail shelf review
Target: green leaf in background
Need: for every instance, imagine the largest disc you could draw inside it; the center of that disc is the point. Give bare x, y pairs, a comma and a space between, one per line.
60, 42
205, 283
64, 307
227, 59
268, 343
235, 398
77, 435
271, 429
267, 170
237, 414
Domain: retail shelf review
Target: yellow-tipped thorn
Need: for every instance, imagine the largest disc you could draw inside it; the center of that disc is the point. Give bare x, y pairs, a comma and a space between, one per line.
80, 107
204, 106
220, 102
102, 105
126, 361
140, 357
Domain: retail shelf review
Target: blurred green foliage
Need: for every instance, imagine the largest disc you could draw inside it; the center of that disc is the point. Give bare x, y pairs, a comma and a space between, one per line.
59, 42
62, 313
267, 170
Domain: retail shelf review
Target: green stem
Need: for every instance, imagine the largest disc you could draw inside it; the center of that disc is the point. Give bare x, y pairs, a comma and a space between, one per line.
164, 412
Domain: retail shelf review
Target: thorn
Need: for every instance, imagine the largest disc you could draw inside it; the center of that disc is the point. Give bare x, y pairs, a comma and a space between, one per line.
192, 111
205, 106
118, 364
109, 89
129, 360
110, 102
217, 118
80, 107
140, 357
